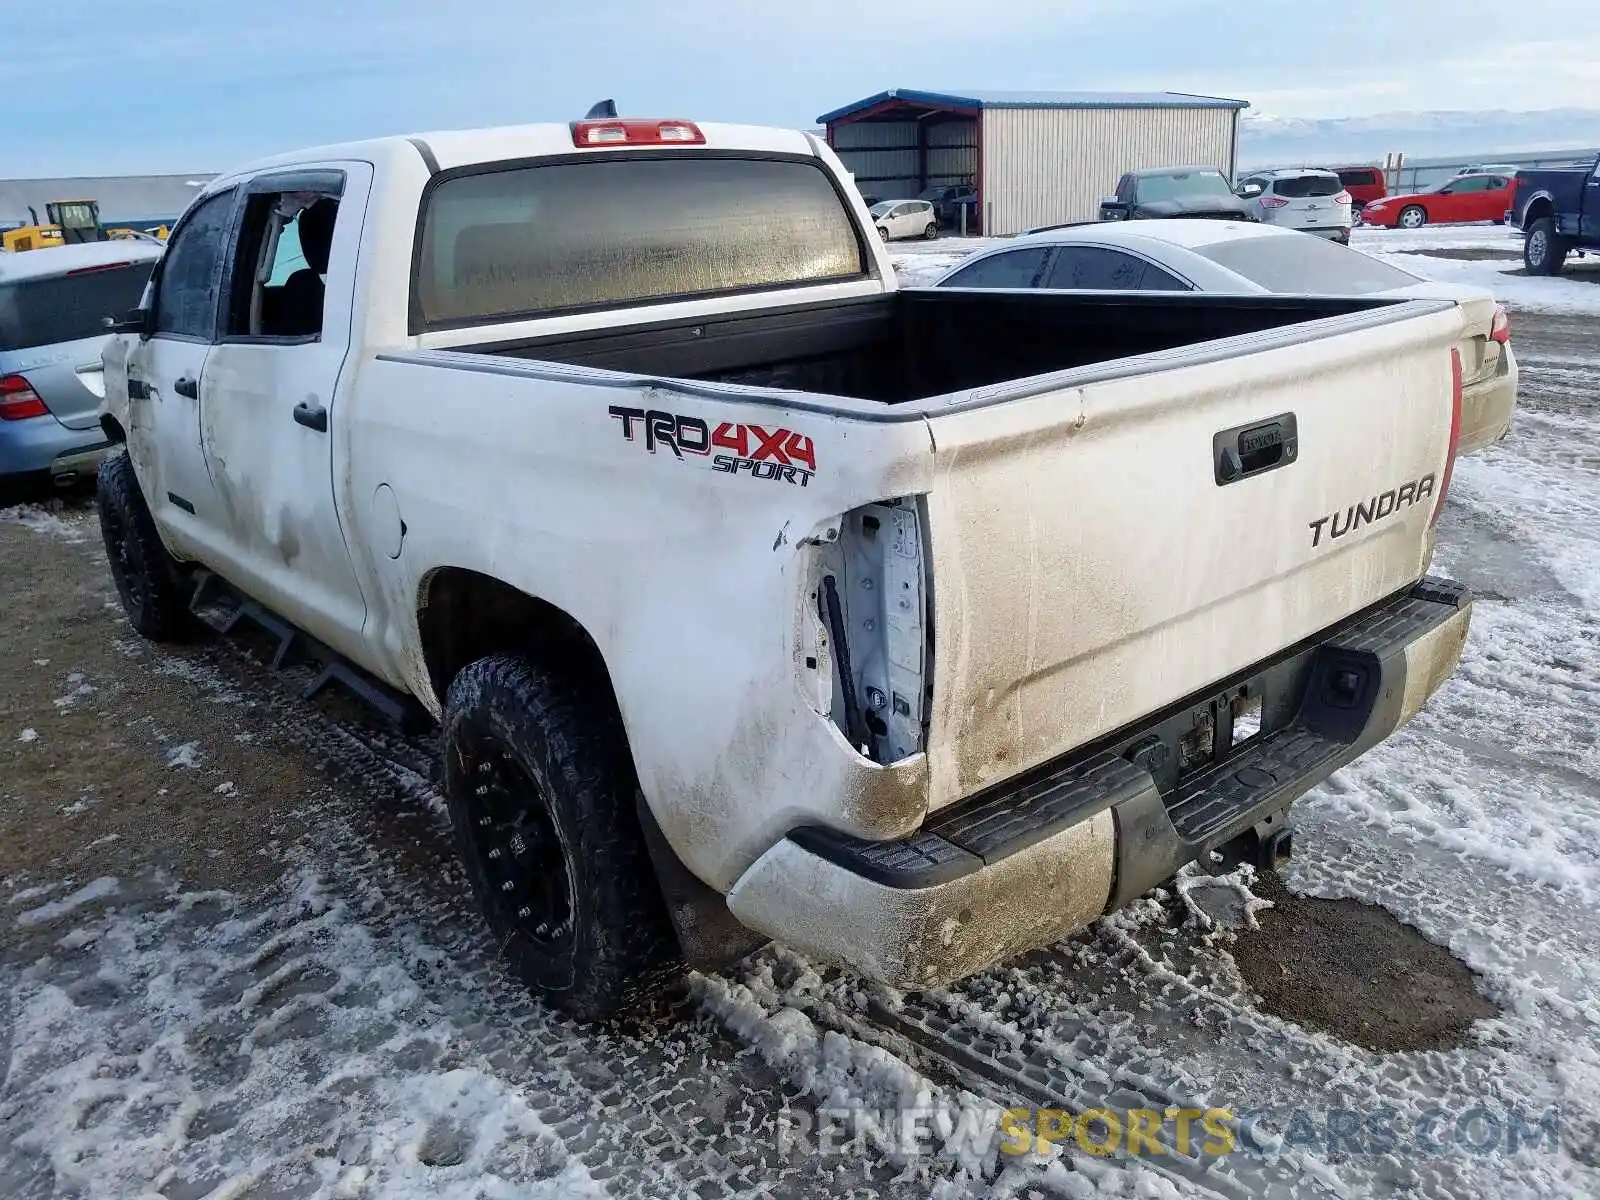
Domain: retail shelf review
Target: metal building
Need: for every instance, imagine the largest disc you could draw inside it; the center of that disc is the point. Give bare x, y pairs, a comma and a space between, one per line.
1036, 158
136, 201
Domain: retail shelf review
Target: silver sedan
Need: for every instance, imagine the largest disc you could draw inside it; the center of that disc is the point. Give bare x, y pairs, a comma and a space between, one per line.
1241, 258
1187, 255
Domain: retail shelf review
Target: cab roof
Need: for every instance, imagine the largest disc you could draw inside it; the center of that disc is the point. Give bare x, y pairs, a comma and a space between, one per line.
444, 149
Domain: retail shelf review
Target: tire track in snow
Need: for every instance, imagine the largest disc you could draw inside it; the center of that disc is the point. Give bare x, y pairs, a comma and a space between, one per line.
505, 1025
631, 1103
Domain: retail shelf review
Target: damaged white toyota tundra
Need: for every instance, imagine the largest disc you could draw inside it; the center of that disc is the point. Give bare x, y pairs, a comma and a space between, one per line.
755, 597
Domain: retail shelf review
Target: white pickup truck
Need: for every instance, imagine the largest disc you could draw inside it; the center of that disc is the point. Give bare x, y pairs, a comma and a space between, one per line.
758, 598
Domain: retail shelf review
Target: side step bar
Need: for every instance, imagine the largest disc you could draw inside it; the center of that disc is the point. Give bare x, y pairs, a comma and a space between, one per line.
1323, 703
295, 645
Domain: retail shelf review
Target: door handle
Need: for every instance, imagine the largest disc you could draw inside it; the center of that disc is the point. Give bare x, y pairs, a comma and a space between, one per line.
1261, 446
187, 387
311, 416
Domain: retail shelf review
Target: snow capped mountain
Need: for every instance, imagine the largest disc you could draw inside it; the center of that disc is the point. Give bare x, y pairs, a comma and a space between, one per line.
1473, 134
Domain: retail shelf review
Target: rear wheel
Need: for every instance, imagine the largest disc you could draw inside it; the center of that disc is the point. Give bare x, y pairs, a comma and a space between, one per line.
1413, 216
1544, 251
543, 803
146, 576
932, 231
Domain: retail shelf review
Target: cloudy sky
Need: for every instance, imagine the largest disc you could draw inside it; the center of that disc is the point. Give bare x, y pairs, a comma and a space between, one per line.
179, 85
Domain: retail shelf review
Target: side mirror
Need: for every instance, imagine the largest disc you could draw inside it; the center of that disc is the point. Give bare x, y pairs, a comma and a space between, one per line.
1250, 191
137, 321
1112, 208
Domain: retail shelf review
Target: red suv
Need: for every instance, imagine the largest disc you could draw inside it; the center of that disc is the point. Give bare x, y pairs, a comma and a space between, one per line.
1365, 184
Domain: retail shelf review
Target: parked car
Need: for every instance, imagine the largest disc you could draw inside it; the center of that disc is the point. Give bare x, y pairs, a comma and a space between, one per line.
1239, 259
1365, 184
1558, 211
949, 199
1464, 198
904, 219
52, 305
1174, 192
1305, 199
912, 629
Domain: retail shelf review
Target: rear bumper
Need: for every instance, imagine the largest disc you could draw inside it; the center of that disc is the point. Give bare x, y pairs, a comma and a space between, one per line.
1043, 855
1487, 407
44, 444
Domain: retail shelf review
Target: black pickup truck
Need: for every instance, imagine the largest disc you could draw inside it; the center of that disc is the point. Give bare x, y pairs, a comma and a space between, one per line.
1558, 211
1174, 192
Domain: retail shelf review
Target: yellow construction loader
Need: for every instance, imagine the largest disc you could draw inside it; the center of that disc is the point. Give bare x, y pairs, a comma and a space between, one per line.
30, 237
67, 222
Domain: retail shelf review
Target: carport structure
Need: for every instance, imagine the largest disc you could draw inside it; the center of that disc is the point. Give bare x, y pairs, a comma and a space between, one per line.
1035, 158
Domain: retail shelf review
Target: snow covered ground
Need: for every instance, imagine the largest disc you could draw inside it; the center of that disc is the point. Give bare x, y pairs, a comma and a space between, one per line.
174, 1030
1426, 251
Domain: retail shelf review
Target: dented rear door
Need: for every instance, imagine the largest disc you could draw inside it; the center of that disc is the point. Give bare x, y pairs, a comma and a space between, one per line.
1131, 533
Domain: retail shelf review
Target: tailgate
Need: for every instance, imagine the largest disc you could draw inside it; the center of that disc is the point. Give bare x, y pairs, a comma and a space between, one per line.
1090, 569
1316, 210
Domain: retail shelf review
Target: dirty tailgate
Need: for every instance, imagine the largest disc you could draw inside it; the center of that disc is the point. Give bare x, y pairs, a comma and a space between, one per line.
1090, 568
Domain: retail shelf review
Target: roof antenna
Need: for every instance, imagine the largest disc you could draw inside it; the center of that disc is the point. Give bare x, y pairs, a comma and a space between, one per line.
606, 108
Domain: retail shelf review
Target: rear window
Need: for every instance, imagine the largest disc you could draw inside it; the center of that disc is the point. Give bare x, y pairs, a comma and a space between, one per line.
614, 231
1299, 187
1359, 178
1306, 264
68, 308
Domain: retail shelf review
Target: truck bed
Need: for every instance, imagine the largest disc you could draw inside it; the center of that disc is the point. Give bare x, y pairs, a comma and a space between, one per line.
916, 343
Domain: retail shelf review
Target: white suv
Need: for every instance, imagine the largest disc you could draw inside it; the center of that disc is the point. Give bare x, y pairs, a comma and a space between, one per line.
1311, 201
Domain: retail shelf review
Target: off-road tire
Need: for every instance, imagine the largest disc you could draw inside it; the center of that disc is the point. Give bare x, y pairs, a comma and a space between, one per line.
148, 580
564, 751
1544, 251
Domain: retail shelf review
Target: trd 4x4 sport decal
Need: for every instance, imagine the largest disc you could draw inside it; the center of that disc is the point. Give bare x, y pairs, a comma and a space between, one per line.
762, 453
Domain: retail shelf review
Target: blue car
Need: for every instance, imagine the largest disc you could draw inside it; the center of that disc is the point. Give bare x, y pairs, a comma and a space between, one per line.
52, 308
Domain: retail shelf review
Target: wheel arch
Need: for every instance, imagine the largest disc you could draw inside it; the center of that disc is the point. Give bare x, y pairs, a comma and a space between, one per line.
464, 615
1541, 205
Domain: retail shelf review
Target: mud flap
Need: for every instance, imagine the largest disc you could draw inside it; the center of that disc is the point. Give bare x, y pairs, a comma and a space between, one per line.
710, 937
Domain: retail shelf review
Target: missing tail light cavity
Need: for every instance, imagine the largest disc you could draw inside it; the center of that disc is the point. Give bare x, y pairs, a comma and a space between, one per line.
867, 584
